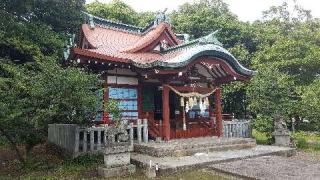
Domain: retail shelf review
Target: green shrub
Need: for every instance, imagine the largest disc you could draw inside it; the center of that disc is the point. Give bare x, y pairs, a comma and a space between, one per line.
301, 143
263, 124
3, 141
86, 160
262, 137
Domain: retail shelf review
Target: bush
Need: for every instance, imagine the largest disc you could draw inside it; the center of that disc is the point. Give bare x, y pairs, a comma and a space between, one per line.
301, 143
3, 141
263, 124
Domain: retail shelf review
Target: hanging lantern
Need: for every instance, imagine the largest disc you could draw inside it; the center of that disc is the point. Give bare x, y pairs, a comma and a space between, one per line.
182, 101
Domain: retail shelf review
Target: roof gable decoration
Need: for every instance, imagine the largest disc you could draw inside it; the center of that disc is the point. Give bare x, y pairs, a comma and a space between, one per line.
208, 39
161, 17
211, 39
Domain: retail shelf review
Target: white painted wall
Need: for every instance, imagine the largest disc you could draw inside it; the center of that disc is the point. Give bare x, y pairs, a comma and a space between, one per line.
122, 80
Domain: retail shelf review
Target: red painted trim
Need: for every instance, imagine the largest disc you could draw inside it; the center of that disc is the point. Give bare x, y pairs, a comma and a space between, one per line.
122, 85
91, 54
213, 61
153, 36
164, 35
122, 75
195, 89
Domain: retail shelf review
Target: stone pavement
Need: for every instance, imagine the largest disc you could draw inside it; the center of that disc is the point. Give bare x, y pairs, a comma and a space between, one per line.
167, 165
190, 146
271, 167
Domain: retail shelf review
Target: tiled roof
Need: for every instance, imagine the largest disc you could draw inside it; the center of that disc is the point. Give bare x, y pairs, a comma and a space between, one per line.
121, 45
117, 42
152, 36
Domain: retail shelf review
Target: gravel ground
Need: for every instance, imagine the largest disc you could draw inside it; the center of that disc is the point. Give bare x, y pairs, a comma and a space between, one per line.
303, 165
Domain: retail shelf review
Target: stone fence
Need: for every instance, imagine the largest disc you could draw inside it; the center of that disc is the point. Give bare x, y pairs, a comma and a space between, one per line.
237, 128
78, 140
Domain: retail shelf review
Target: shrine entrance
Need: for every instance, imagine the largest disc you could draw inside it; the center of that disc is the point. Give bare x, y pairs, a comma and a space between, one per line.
190, 112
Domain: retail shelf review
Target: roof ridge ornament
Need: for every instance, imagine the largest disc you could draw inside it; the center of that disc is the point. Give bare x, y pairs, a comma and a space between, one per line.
161, 17
211, 39
91, 22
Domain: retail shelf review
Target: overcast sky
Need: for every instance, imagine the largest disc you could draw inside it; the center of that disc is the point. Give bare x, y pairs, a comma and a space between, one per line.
246, 10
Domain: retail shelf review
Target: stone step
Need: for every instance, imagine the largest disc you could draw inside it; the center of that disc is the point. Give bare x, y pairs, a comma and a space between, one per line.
185, 147
169, 165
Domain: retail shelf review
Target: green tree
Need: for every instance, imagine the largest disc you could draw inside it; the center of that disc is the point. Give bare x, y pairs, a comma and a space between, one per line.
35, 89
30, 100
116, 10
310, 104
60, 15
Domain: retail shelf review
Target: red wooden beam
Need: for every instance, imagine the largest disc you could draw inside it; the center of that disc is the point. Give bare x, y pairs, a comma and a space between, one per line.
218, 112
166, 112
193, 89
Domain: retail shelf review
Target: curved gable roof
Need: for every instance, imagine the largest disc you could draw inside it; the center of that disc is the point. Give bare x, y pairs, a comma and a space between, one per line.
123, 43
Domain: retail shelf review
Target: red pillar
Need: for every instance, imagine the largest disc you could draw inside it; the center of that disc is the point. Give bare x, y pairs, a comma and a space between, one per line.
165, 112
218, 111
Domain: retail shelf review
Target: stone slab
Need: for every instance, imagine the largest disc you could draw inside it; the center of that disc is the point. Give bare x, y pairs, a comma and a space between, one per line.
120, 159
118, 148
271, 167
282, 140
185, 147
168, 165
117, 171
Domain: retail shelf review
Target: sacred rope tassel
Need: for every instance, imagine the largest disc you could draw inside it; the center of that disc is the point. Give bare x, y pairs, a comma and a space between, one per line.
187, 107
195, 101
201, 106
206, 102
191, 102
182, 101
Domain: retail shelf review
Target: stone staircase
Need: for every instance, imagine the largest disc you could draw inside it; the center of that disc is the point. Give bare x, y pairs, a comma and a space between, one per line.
191, 146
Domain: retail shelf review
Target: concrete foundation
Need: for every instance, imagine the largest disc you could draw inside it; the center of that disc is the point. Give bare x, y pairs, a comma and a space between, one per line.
117, 171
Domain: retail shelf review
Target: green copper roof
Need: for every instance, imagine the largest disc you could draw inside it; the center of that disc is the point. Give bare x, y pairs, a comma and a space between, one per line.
92, 20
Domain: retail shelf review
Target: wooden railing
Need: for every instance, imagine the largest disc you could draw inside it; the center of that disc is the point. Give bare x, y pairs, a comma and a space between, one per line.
81, 140
191, 132
155, 129
237, 128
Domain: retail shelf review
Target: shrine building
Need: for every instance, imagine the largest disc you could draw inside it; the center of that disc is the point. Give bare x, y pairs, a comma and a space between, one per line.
155, 74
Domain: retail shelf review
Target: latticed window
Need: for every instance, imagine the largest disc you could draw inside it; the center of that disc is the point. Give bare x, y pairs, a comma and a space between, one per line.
128, 101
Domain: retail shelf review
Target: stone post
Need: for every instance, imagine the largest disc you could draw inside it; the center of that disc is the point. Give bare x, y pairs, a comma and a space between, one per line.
145, 131
117, 154
281, 133
139, 131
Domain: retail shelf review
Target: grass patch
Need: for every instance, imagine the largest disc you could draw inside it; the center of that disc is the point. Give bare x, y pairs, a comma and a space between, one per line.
306, 141
261, 138
46, 163
3, 142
